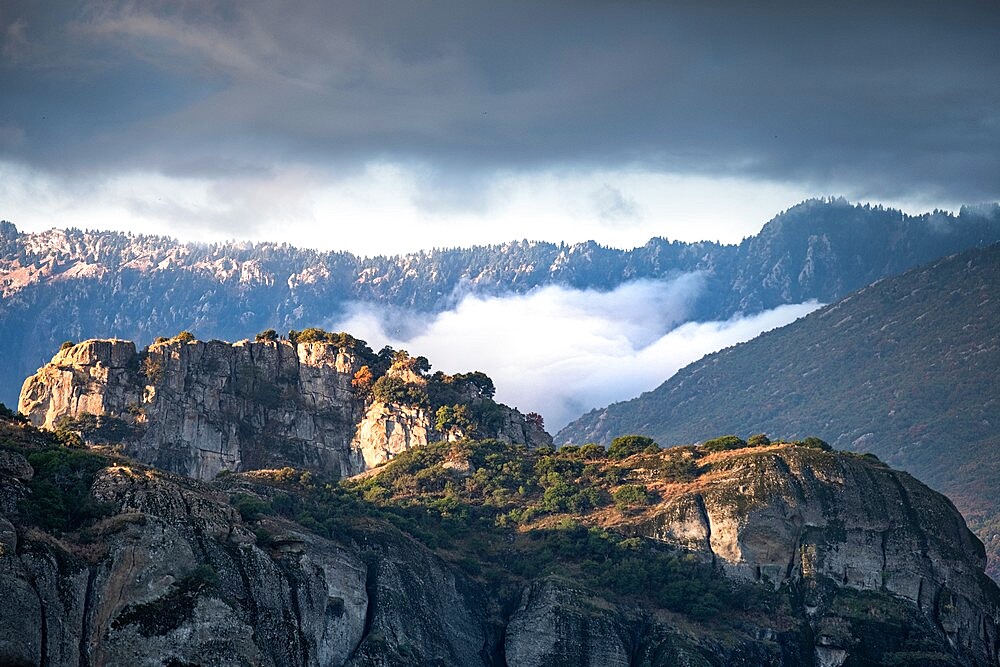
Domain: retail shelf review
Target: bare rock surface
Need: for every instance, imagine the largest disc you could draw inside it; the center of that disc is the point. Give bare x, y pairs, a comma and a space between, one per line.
790, 514
172, 574
199, 408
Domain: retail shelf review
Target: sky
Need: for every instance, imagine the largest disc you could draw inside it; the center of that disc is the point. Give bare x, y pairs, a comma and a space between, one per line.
381, 127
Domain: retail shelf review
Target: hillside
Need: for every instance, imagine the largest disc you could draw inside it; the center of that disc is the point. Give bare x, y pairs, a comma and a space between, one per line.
486, 553
73, 285
905, 368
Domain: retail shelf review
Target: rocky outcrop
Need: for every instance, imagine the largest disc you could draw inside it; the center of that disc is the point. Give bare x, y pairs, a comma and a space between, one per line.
558, 623
175, 578
198, 408
795, 515
387, 430
171, 574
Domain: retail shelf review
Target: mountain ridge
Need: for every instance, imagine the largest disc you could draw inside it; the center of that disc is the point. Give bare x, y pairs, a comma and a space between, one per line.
73, 285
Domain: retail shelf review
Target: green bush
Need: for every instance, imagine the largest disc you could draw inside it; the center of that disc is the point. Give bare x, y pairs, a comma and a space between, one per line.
60, 499
627, 445
7, 413
815, 443
724, 443
393, 389
758, 440
70, 431
266, 336
631, 495
167, 613
250, 507
593, 452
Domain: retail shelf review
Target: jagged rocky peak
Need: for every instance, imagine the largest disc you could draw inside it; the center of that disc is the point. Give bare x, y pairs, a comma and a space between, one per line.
322, 401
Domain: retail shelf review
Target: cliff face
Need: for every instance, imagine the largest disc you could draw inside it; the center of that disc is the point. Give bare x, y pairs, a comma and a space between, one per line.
198, 408
174, 577
173, 571
793, 514
864, 566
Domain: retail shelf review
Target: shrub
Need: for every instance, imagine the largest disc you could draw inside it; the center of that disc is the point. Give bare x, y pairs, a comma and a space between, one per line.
758, 440
65, 346
250, 507
488, 416
446, 389
593, 452
631, 495
266, 336
454, 416
392, 389
152, 368
627, 445
724, 443
60, 497
564, 497
815, 443
363, 380
184, 337
95, 428
167, 613
7, 413
311, 335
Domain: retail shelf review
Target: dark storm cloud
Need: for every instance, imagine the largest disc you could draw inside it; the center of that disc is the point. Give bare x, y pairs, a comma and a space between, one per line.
886, 99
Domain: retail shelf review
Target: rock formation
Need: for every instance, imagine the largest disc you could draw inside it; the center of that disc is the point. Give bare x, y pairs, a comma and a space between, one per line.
198, 408
792, 514
173, 571
474, 552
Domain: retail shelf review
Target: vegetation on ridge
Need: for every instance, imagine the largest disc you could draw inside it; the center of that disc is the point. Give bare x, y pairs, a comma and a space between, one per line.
906, 368
504, 514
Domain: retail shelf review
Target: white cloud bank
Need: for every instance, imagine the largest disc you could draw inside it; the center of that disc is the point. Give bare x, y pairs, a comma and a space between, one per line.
560, 351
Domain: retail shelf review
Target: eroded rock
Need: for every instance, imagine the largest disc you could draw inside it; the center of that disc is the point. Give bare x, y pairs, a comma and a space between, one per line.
200, 408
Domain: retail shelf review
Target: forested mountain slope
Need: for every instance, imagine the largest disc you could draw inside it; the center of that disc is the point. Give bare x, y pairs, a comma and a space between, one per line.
72, 285
906, 368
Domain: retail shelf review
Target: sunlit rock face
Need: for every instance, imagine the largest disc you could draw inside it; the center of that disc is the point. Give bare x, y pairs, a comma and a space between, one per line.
198, 408
788, 514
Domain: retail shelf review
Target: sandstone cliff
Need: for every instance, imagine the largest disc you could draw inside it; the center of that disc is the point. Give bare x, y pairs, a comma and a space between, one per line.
198, 408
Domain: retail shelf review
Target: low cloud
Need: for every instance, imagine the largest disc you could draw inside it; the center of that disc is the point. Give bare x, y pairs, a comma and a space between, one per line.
561, 351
